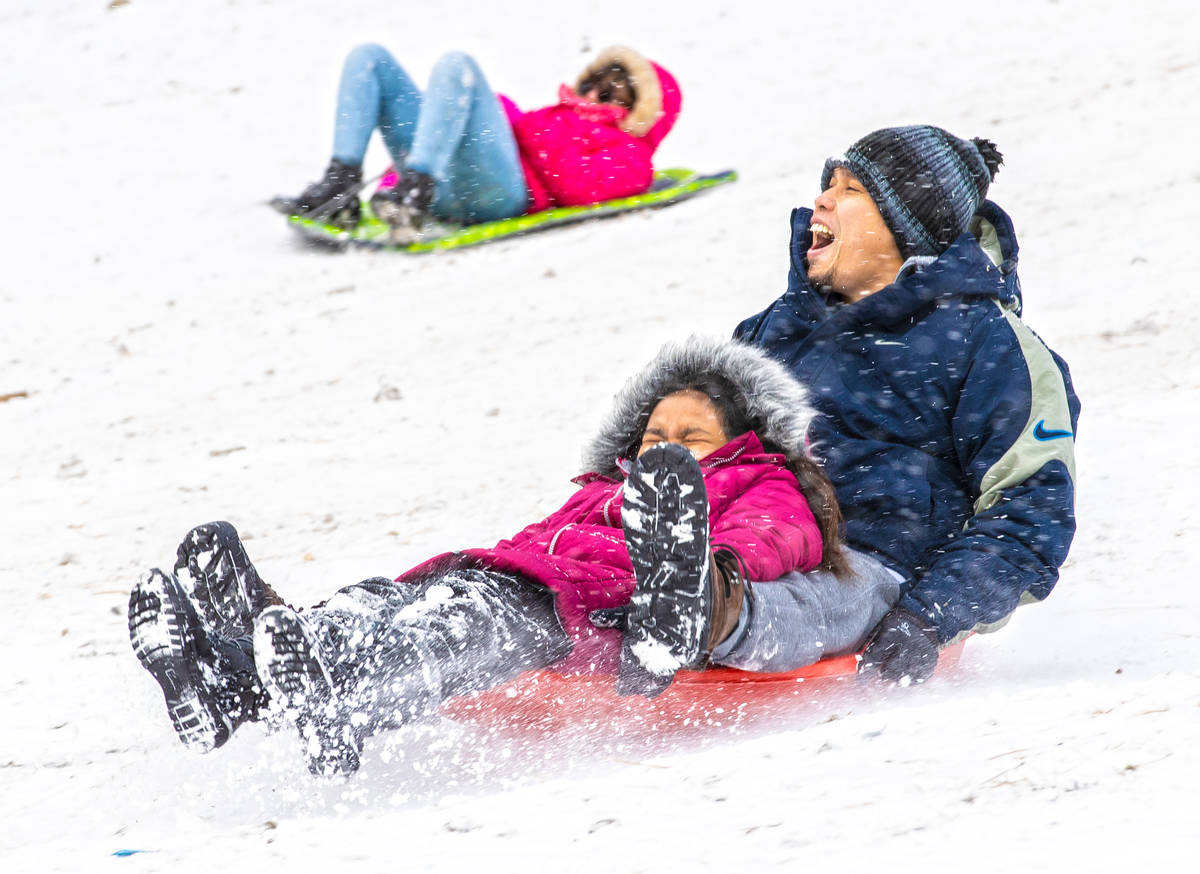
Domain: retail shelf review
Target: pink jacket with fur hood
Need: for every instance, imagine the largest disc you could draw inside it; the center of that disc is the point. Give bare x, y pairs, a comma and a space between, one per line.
756, 508
570, 160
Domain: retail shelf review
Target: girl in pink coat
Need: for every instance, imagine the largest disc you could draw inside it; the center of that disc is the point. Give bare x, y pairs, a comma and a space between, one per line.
465, 154
698, 485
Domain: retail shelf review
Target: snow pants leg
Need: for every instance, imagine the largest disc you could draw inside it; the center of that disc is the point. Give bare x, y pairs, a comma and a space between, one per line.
456, 132
396, 651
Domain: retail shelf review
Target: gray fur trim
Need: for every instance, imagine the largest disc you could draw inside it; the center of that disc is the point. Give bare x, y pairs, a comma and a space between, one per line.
773, 396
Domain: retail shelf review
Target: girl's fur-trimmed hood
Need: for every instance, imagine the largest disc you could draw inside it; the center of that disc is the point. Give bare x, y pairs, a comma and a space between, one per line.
658, 99
767, 392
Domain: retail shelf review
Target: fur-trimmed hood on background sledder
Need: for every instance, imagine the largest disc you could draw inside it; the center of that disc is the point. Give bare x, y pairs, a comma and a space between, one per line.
573, 159
657, 98
766, 391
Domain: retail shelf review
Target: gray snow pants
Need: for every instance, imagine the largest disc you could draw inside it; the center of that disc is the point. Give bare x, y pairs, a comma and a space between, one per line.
396, 651
794, 621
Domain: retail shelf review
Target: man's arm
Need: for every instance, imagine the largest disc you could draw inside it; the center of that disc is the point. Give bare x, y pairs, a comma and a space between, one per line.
1014, 428
802, 617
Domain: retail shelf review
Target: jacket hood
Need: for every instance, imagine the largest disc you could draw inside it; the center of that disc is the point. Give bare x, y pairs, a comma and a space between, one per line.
658, 99
767, 393
994, 231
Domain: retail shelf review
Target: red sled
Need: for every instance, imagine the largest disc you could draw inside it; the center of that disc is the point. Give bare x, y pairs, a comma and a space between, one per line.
546, 702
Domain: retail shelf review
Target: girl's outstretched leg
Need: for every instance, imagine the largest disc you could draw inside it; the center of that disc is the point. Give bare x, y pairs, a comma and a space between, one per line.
380, 654
466, 630
293, 670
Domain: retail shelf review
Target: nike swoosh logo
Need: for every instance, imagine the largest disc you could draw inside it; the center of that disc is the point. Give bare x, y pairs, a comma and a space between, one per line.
1041, 433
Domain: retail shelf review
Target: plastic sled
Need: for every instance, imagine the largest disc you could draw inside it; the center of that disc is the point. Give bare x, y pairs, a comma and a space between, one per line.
670, 186
545, 702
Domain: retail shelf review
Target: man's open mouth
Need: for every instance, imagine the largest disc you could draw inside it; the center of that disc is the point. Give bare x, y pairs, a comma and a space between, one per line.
821, 236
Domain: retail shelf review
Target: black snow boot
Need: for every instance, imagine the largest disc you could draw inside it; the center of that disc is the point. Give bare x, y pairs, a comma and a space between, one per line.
333, 198
406, 206
667, 624
228, 591
293, 670
210, 685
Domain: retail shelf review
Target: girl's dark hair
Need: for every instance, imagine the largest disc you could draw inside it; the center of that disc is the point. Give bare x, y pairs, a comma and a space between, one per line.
814, 484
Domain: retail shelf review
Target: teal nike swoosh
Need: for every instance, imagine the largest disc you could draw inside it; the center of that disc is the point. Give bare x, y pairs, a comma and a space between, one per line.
1041, 433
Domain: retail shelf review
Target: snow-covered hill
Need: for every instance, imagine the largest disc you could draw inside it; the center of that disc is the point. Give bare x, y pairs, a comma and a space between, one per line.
172, 357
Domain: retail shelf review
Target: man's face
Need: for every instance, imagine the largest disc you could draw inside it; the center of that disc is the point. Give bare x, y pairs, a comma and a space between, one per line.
853, 253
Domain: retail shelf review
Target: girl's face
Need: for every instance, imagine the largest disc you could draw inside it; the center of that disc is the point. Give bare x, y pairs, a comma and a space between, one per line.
688, 418
610, 85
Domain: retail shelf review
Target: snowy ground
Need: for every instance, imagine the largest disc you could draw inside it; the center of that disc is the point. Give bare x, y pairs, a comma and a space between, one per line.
177, 359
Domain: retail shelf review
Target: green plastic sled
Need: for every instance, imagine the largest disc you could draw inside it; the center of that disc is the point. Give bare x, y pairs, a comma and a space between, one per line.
670, 186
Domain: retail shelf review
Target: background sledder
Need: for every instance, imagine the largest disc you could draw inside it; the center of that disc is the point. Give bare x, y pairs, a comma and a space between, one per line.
671, 591
464, 155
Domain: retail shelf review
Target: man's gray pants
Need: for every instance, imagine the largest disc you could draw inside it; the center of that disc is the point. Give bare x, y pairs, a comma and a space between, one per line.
794, 621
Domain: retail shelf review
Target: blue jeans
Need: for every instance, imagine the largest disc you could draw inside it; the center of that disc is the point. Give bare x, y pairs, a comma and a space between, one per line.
456, 132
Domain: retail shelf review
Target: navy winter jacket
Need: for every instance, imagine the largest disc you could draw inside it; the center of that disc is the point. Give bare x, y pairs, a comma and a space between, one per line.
946, 425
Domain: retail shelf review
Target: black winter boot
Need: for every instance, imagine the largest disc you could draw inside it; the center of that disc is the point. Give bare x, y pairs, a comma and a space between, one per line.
209, 690
228, 591
333, 198
664, 512
240, 694
292, 669
406, 206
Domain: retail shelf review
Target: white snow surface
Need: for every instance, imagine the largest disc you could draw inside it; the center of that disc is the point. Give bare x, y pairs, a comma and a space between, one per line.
184, 360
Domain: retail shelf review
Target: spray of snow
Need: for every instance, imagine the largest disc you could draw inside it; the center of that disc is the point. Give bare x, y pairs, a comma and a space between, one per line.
656, 657
203, 327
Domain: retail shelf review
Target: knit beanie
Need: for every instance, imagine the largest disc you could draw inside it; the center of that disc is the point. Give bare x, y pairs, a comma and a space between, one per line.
926, 182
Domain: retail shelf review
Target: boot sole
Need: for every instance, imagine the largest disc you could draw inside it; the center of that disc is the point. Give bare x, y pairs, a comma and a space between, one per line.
226, 587
161, 639
664, 513
296, 679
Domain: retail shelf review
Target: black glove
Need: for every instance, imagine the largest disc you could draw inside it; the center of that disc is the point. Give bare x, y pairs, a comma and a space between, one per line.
902, 647
610, 617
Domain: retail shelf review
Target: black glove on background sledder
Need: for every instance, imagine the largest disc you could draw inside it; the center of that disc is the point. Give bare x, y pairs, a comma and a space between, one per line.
902, 646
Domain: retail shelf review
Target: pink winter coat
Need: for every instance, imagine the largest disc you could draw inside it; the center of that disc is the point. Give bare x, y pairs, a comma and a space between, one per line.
756, 510
570, 160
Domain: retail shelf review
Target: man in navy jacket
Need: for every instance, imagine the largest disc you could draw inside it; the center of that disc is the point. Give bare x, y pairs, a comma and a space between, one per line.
945, 424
